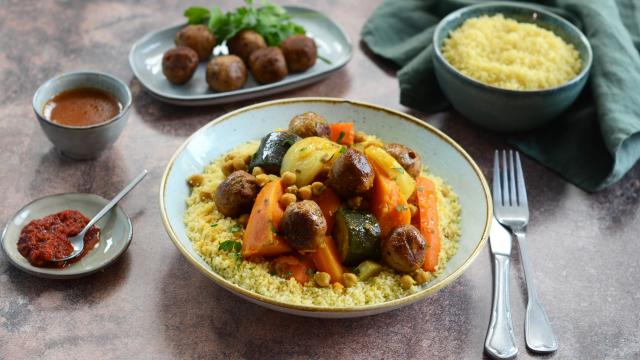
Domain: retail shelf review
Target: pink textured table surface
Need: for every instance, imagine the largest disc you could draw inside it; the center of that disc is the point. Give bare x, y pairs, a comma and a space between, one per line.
153, 304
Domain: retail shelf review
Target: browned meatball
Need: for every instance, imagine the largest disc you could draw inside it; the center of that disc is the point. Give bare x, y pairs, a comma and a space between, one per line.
226, 73
198, 38
303, 225
236, 194
245, 43
309, 124
300, 52
351, 174
409, 159
268, 65
404, 249
179, 64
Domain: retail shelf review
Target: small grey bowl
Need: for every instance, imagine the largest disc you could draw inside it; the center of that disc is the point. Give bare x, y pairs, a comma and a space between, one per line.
503, 109
83, 142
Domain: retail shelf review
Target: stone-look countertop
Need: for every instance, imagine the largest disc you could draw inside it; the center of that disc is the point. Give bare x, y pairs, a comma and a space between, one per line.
153, 304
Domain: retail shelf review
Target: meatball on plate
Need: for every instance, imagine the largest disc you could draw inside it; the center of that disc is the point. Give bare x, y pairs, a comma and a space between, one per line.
219, 81
330, 221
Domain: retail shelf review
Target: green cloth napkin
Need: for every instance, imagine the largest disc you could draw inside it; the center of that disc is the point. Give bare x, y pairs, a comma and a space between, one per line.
594, 143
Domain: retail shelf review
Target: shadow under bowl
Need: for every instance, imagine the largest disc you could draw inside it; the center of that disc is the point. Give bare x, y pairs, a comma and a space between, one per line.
501, 109
83, 142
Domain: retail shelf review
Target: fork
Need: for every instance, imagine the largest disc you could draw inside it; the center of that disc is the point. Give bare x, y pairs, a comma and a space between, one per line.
512, 210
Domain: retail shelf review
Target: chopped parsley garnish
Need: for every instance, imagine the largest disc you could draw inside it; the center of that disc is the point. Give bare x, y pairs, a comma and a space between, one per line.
340, 137
214, 225
230, 246
288, 274
235, 228
343, 149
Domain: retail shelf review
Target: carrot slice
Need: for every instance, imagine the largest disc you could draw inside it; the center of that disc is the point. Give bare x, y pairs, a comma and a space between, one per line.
342, 133
289, 266
429, 221
387, 203
327, 260
329, 203
260, 236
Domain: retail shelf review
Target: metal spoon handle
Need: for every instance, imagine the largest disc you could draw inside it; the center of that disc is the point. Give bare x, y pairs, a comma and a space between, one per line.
114, 201
500, 342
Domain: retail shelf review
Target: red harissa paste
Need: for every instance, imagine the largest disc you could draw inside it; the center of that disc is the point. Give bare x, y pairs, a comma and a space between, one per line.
45, 239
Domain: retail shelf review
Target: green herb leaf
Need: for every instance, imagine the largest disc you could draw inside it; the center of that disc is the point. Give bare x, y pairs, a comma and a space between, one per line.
197, 15
287, 275
230, 246
235, 228
303, 149
214, 225
343, 149
340, 137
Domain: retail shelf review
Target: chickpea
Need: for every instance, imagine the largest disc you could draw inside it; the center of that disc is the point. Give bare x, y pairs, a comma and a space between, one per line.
338, 286
292, 190
317, 188
262, 179
288, 178
349, 279
421, 276
305, 192
322, 279
257, 171
239, 164
354, 202
359, 136
413, 209
287, 199
243, 220
406, 282
195, 180
228, 168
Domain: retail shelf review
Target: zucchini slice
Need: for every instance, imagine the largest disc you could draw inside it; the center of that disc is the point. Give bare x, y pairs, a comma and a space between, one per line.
357, 236
367, 269
271, 151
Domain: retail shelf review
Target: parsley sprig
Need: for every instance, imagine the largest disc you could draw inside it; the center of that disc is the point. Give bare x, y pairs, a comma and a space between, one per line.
233, 248
269, 20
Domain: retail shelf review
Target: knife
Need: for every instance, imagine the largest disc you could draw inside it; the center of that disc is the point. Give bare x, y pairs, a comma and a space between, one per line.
500, 343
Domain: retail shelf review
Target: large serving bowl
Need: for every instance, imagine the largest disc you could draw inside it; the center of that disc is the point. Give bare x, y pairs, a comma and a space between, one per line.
503, 109
444, 157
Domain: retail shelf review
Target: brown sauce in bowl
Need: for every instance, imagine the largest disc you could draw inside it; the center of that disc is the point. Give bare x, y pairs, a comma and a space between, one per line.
82, 107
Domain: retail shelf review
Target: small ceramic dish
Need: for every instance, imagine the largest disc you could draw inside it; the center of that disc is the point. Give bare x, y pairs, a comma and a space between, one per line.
442, 155
503, 109
115, 234
145, 59
83, 142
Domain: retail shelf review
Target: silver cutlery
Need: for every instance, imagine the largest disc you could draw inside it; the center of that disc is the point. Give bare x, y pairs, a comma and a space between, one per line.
511, 209
500, 342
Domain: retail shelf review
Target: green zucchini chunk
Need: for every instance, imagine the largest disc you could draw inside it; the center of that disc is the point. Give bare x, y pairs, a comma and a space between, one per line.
271, 151
357, 235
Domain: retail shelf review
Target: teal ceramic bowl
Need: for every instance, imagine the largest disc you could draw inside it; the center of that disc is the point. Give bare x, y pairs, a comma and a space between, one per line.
507, 110
443, 156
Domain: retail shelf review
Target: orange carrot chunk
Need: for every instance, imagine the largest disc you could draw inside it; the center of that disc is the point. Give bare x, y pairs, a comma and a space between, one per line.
260, 236
342, 133
428, 220
327, 260
387, 204
289, 266
329, 203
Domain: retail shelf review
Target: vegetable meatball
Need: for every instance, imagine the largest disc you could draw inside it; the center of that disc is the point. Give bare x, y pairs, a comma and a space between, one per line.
198, 38
179, 64
268, 65
300, 52
409, 159
309, 124
303, 225
404, 249
235, 195
351, 174
226, 73
245, 43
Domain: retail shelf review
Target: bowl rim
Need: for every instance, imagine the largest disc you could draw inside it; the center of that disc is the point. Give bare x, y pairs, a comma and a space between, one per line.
36, 271
238, 290
125, 107
455, 14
